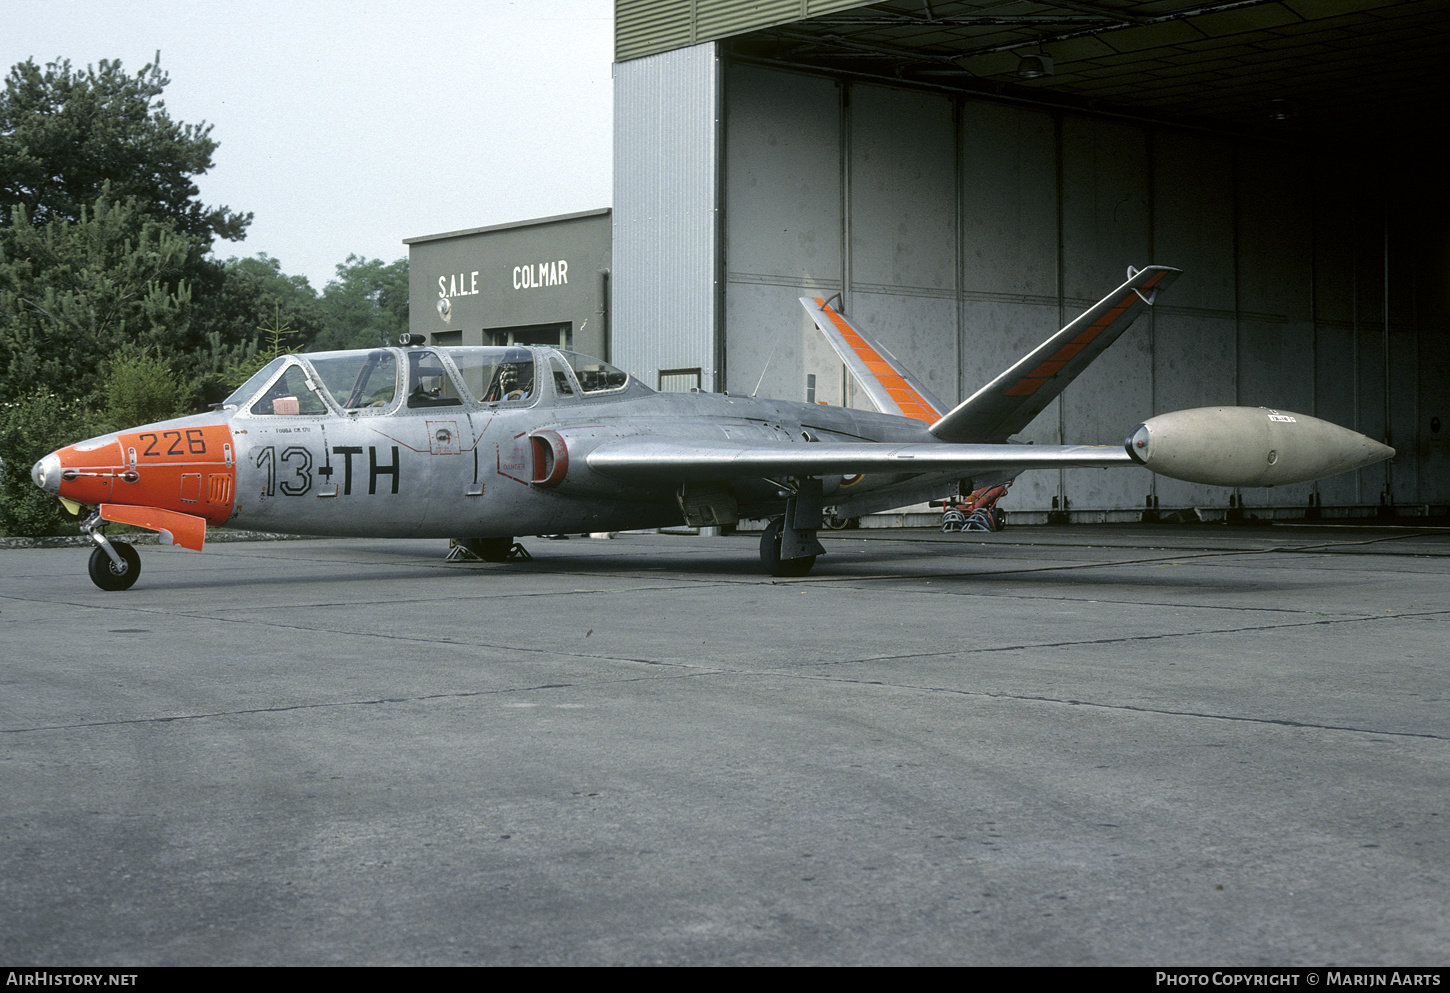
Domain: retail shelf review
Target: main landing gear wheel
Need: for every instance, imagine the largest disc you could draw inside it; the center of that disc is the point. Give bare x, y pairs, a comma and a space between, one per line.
111, 577
770, 553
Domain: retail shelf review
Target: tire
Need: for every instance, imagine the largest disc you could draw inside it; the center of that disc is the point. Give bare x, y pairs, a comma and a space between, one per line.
106, 574
770, 554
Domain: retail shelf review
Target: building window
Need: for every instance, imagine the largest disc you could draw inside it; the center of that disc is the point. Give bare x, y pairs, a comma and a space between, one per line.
679, 380
552, 335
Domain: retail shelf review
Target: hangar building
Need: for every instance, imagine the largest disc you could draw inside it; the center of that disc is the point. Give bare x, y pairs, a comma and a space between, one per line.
968, 176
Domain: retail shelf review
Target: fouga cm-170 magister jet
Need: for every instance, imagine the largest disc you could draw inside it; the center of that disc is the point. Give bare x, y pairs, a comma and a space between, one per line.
489, 443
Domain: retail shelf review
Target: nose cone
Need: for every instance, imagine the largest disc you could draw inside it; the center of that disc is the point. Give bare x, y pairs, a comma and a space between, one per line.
1139, 444
46, 473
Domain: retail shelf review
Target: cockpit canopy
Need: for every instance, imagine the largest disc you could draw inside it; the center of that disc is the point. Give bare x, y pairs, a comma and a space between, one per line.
386, 380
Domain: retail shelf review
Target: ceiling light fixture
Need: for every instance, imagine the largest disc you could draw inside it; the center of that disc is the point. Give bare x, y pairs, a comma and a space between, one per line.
1034, 66
1282, 110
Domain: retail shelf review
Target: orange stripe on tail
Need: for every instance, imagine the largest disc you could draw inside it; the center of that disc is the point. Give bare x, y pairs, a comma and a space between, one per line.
912, 403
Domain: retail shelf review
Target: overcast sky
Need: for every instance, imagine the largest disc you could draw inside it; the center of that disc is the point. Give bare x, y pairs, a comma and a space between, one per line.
348, 126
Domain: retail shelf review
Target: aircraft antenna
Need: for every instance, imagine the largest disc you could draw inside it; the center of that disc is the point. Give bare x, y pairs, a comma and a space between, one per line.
766, 369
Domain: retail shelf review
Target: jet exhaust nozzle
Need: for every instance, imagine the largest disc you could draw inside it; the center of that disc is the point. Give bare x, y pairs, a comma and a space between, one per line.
1249, 446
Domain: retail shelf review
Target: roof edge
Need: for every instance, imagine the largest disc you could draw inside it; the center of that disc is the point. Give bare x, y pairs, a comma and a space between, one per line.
534, 222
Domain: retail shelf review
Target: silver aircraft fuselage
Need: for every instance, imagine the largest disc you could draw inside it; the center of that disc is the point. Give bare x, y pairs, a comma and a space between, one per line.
488, 469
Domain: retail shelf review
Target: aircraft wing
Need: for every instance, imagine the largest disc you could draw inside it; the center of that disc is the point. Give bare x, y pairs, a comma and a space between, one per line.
639, 460
1008, 403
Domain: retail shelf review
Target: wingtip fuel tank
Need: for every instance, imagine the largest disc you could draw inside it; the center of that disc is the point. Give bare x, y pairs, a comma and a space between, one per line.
1249, 446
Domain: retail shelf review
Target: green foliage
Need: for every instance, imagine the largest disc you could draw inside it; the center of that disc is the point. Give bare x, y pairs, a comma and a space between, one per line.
32, 426
254, 294
112, 311
65, 134
141, 387
275, 333
75, 293
103, 243
268, 348
366, 305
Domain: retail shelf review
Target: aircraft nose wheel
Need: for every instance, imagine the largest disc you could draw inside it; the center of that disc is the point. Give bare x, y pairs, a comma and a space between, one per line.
111, 577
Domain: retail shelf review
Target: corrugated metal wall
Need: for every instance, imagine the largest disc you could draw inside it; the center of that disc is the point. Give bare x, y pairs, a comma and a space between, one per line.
647, 27
666, 236
964, 231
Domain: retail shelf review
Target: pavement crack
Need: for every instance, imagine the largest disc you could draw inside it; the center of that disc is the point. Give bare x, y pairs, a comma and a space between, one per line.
1134, 638
1201, 715
295, 707
1111, 707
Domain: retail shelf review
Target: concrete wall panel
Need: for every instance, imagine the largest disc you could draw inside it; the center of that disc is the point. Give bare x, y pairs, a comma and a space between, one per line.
1404, 408
1193, 217
782, 177
1407, 299
1194, 368
1106, 224
1370, 274
1195, 338
780, 346
1276, 341
1009, 260
1432, 429
1113, 395
903, 228
920, 330
1002, 332
1275, 233
1335, 400
903, 190
1372, 419
1335, 311
1009, 204
783, 229
1276, 363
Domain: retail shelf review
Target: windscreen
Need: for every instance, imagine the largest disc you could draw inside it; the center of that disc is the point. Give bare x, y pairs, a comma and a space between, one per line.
595, 375
257, 380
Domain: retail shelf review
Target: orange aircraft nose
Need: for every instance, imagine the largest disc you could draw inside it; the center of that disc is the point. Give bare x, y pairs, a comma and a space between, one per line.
187, 469
85, 472
183, 467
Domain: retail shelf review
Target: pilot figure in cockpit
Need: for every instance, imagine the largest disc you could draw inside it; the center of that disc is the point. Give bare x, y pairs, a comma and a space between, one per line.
509, 385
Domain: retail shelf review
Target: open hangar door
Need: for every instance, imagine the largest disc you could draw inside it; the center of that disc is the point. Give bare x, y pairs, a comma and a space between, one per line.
893, 154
